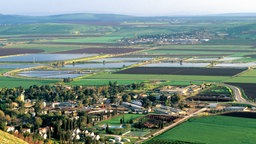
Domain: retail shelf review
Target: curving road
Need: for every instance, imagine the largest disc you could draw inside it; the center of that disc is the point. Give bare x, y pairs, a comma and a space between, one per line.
238, 95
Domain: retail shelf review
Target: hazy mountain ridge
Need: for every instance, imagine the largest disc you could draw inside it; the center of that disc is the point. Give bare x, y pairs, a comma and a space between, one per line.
87, 17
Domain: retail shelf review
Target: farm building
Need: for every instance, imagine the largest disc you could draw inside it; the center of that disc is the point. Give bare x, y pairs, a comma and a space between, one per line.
162, 111
133, 107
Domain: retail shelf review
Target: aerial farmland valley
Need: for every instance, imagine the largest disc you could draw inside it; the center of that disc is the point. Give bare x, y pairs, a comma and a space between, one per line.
93, 77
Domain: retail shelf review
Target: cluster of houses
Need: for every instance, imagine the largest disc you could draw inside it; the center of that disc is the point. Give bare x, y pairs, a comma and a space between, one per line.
166, 39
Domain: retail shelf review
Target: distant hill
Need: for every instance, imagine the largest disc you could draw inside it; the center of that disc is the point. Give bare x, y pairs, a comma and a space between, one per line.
6, 138
87, 18
73, 18
239, 14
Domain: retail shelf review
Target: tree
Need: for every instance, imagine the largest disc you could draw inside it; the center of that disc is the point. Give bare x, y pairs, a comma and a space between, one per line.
88, 140
2, 115
8, 118
26, 134
107, 129
146, 102
126, 98
38, 107
2, 125
175, 99
38, 122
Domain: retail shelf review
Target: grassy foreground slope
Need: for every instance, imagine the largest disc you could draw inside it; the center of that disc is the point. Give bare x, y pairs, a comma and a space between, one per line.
6, 138
211, 130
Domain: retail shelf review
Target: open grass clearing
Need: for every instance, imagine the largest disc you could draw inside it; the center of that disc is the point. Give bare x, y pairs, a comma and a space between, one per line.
116, 120
211, 130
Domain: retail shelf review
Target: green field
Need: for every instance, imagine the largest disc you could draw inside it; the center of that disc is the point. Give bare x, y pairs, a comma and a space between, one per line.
2, 71
54, 28
211, 130
105, 39
206, 47
245, 77
181, 52
175, 79
249, 73
116, 120
25, 83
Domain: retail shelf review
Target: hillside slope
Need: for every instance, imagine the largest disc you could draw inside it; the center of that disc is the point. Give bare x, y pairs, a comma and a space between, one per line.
6, 138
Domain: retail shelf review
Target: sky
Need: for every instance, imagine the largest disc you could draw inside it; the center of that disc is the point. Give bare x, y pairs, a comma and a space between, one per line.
127, 7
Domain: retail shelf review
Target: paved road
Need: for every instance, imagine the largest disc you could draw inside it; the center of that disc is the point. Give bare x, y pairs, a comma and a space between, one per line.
238, 95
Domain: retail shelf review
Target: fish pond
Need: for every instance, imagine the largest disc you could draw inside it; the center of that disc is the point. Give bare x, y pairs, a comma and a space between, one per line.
51, 74
17, 66
100, 65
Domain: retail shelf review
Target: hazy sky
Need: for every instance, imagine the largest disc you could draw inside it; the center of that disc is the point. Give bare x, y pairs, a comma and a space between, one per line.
128, 7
